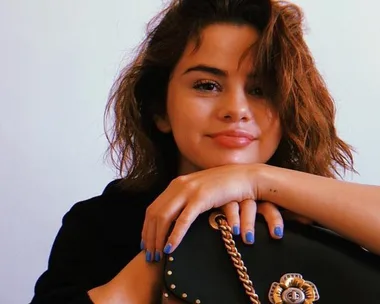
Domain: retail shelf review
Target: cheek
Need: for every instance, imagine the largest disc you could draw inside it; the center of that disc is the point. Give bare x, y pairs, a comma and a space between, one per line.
186, 112
180, 116
176, 104
269, 123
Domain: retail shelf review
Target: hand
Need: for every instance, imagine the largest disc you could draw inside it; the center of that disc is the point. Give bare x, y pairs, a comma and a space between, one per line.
241, 217
188, 196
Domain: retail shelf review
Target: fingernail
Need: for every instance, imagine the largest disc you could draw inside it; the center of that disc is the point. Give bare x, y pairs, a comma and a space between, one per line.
167, 248
148, 256
278, 231
157, 256
236, 230
142, 247
249, 237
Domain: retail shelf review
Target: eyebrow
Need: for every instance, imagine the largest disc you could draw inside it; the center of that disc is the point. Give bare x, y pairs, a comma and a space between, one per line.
211, 70
207, 69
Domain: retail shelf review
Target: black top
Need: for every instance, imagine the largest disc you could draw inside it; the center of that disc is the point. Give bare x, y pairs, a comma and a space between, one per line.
98, 238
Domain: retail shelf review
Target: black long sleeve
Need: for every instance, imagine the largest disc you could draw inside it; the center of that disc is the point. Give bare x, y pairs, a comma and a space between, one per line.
97, 239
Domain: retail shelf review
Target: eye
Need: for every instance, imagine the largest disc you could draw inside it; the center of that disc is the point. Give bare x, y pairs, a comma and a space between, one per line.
206, 85
257, 91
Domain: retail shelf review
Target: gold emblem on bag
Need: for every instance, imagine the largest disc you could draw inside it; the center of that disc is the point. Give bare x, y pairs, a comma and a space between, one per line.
293, 289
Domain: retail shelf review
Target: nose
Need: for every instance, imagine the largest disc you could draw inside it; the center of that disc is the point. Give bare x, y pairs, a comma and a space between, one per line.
235, 108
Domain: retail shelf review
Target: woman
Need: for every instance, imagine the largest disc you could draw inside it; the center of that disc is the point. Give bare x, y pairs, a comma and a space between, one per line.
222, 107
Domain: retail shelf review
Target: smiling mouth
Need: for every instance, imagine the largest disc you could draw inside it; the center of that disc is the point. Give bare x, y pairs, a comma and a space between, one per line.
232, 141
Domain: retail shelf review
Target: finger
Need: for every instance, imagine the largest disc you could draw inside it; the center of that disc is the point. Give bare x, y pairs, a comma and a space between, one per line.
163, 228
181, 226
173, 209
150, 240
231, 211
247, 220
144, 232
159, 216
273, 218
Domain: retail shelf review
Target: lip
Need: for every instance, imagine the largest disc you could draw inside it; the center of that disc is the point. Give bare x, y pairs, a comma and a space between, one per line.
233, 138
234, 133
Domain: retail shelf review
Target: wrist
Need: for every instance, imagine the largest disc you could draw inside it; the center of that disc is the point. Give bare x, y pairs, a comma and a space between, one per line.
265, 183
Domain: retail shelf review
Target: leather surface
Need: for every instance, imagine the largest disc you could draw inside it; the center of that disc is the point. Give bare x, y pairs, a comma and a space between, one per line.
342, 271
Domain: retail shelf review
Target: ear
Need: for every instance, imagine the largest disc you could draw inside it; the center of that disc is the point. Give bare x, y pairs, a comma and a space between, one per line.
163, 123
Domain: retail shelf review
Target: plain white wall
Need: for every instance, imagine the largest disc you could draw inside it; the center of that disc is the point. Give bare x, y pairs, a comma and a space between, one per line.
57, 63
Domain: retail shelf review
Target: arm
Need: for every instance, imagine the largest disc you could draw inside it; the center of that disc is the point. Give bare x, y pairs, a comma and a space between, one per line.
96, 258
350, 209
138, 282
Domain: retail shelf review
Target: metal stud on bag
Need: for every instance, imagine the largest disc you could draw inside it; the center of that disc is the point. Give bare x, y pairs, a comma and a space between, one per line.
292, 288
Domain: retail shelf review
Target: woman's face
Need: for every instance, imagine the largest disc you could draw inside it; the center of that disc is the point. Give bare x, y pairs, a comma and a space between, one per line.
215, 107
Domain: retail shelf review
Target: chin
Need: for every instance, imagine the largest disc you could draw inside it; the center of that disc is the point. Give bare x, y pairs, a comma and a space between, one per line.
223, 162
200, 162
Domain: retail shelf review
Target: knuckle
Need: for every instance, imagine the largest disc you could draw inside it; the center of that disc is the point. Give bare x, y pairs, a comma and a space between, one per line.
190, 186
185, 183
162, 217
181, 181
231, 205
183, 220
248, 204
244, 203
149, 211
230, 209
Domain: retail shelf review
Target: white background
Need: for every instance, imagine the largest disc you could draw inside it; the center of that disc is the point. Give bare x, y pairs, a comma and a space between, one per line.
58, 60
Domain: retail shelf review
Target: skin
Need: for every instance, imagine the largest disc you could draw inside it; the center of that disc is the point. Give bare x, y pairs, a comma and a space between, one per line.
212, 89
212, 176
215, 177
194, 113
202, 102
138, 282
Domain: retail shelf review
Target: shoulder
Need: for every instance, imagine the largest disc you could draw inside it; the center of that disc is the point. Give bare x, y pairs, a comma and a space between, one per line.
113, 219
98, 237
113, 204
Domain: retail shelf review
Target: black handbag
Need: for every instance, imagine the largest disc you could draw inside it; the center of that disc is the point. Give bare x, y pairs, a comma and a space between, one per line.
309, 265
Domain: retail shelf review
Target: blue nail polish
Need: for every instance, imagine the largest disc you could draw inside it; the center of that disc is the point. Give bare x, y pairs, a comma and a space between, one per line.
157, 256
278, 231
167, 248
236, 230
148, 256
250, 238
142, 247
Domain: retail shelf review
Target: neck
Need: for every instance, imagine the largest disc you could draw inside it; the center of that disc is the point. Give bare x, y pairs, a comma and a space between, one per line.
186, 167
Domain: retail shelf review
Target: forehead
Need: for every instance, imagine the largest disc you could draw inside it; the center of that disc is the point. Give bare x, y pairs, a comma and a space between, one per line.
226, 46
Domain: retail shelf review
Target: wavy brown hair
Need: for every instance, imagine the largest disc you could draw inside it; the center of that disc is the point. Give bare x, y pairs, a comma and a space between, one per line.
310, 143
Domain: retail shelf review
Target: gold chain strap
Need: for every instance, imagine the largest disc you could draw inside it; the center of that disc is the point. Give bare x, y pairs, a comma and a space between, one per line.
229, 243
